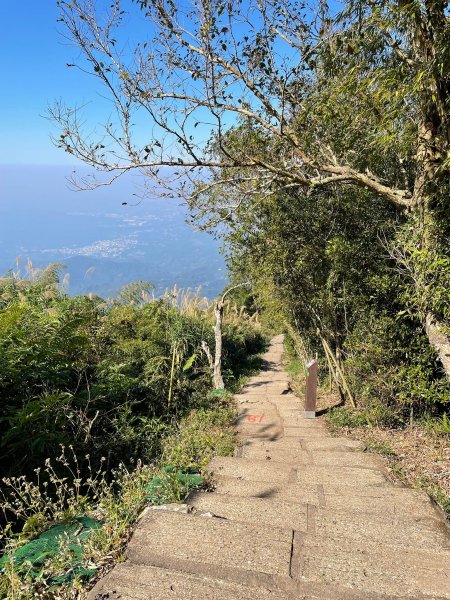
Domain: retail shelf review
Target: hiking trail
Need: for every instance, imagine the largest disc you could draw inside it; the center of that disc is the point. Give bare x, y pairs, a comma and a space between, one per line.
295, 514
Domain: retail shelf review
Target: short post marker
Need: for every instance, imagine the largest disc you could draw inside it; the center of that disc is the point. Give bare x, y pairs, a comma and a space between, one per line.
311, 390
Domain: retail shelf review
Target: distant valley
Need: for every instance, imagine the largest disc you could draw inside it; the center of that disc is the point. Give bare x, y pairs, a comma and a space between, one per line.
103, 243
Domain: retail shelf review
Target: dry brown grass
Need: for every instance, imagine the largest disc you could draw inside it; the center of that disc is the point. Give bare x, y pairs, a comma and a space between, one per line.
414, 456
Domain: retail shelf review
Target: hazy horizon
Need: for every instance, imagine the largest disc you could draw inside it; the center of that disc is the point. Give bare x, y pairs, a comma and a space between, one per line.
103, 243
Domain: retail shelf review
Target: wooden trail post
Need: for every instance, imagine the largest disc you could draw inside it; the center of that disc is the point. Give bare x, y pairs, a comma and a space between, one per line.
311, 390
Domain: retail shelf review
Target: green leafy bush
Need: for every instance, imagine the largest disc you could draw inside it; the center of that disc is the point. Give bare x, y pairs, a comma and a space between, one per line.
345, 417
109, 379
393, 370
126, 386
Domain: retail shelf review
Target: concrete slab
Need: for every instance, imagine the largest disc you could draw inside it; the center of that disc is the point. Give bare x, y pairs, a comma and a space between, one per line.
285, 400
388, 529
347, 459
261, 511
291, 492
284, 443
305, 432
334, 497
401, 505
371, 493
264, 412
129, 581
251, 401
372, 567
271, 452
265, 432
287, 412
304, 423
341, 475
251, 470
331, 444
252, 417
208, 546
298, 420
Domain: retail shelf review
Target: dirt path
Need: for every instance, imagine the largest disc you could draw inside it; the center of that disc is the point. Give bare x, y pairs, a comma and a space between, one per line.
296, 514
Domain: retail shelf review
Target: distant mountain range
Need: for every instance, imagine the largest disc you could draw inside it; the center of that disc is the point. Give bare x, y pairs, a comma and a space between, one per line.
102, 243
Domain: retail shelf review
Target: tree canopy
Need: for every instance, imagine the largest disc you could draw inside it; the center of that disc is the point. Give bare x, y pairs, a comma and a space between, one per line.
301, 114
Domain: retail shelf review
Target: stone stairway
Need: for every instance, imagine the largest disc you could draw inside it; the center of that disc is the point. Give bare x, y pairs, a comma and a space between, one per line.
296, 514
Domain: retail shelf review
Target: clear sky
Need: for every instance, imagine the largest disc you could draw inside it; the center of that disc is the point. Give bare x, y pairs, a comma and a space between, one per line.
40, 217
34, 73
34, 56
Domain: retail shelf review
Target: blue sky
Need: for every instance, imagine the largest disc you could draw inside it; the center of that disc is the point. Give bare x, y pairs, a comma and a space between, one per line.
39, 215
34, 74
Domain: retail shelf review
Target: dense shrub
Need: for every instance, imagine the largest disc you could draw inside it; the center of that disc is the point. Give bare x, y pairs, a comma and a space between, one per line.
108, 379
393, 372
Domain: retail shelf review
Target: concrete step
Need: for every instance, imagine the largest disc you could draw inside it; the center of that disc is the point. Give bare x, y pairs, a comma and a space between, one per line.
329, 444
269, 451
305, 424
265, 397
305, 432
349, 476
285, 401
372, 567
130, 581
265, 411
251, 470
338, 499
298, 515
338, 458
207, 553
403, 531
269, 511
403, 502
253, 555
334, 497
277, 472
262, 423
278, 386
282, 492
266, 431
298, 420
280, 452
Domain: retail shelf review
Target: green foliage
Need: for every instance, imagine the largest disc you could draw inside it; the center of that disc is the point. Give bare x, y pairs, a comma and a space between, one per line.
58, 561
77, 371
201, 435
327, 277
126, 387
345, 417
438, 425
295, 368
393, 370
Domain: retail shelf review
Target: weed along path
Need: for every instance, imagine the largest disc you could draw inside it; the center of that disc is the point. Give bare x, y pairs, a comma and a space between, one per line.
295, 514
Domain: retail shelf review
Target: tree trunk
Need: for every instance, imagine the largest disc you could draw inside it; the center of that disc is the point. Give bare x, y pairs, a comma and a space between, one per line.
429, 31
217, 370
439, 340
218, 311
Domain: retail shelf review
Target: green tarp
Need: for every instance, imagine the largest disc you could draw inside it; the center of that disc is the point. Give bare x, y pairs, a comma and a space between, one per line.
31, 557
158, 487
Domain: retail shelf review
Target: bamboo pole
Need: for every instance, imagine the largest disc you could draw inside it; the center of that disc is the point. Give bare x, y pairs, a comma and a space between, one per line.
331, 356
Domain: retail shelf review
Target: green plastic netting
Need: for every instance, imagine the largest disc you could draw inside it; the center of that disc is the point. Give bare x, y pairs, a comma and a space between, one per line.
158, 488
30, 558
